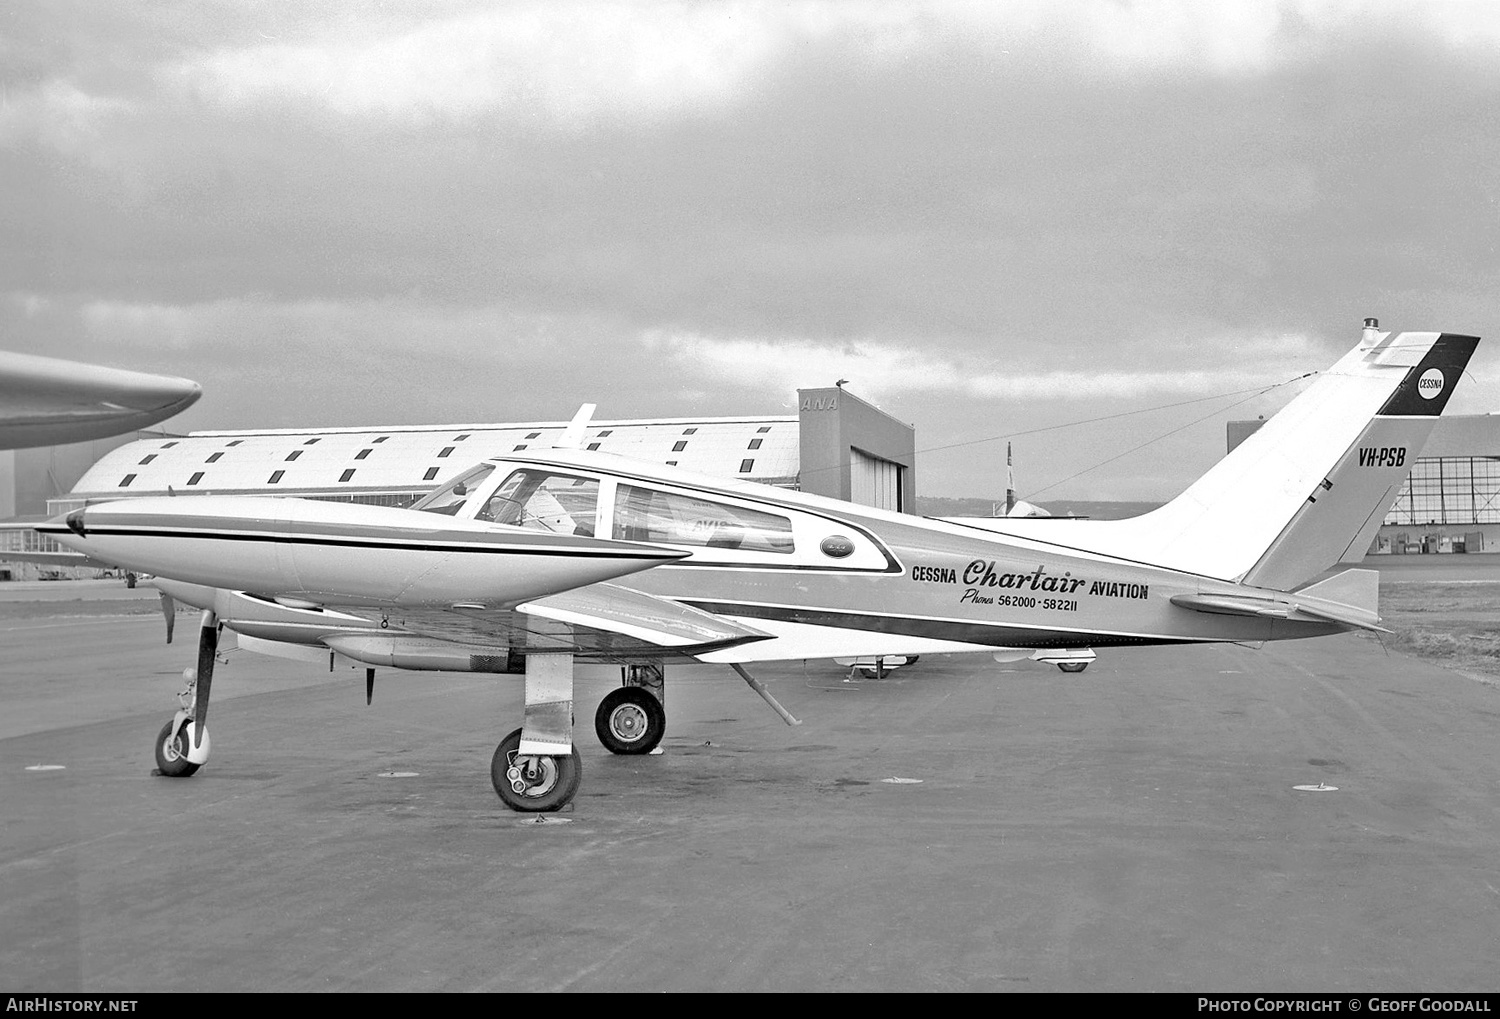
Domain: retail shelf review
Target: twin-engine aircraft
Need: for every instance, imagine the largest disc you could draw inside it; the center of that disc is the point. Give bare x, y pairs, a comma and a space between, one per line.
530, 562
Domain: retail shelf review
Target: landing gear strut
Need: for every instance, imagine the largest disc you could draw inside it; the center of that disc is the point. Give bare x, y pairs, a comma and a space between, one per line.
182, 745
537, 768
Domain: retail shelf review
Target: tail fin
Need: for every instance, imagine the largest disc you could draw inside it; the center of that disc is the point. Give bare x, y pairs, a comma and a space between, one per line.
1312, 486
1347, 492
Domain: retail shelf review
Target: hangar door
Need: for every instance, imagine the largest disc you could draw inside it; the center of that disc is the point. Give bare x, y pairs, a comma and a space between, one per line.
873, 481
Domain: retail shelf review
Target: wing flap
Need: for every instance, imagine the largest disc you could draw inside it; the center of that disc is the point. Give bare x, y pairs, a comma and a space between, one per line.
643, 616
602, 622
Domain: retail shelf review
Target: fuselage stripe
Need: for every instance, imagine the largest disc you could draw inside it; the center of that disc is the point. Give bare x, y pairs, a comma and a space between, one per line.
393, 543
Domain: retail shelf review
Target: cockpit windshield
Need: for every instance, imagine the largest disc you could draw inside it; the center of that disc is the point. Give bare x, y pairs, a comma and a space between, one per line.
449, 498
544, 501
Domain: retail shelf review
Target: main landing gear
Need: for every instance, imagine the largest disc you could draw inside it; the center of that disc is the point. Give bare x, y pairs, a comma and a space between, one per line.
633, 719
534, 783
537, 769
182, 745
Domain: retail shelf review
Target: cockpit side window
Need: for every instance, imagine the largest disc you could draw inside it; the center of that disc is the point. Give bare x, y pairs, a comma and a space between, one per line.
450, 498
642, 514
543, 501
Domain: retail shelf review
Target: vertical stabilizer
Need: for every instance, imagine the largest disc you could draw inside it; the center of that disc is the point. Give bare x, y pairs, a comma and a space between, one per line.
1311, 487
1339, 517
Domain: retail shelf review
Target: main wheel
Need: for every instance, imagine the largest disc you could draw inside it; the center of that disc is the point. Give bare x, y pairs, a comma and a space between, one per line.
1072, 666
545, 783
171, 751
630, 720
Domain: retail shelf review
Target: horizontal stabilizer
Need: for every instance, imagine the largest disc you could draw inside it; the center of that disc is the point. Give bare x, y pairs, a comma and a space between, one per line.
1349, 599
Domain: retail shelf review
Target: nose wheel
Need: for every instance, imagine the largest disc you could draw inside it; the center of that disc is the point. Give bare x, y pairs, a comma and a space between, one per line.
534, 783
172, 746
630, 720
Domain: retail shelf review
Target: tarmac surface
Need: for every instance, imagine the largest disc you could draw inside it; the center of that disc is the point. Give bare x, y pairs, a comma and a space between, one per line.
1132, 828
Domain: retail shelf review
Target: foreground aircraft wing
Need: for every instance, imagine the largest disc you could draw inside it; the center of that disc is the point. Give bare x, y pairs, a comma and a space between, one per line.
601, 622
48, 402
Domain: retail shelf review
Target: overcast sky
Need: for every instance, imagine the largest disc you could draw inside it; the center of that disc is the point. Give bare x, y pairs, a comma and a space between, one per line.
990, 217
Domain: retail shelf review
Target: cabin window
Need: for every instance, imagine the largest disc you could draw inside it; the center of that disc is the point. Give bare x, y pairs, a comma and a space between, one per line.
679, 446
445, 451
348, 473
543, 501
381, 439
755, 443
605, 433
431, 473
169, 445
690, 431
213, 457
668, 517
197, 477
448, 499
311, 442
461, 438
294, 454
519, 448
148, 458
533, 435
126, 480
746, 466
764, 428
593, 445
363, 453
275, 477
235, 442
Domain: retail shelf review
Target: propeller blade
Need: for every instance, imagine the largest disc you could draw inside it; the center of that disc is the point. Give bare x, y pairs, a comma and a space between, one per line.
169, 612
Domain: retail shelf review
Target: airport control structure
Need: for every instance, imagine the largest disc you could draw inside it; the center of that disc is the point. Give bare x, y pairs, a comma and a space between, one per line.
837, 445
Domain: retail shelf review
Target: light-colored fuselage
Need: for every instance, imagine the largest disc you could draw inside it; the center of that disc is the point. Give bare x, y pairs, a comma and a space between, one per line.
818, 578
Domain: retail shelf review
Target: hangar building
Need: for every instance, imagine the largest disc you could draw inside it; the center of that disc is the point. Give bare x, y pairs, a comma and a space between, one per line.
1451, 500
837, 445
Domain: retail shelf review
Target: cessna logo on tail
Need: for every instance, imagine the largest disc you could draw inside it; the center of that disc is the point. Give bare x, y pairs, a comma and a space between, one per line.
1430, 384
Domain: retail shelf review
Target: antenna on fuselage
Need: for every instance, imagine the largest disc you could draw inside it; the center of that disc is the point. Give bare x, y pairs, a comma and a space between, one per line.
572, 436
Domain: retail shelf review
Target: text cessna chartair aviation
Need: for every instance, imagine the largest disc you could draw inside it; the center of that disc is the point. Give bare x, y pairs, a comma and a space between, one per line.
528, 563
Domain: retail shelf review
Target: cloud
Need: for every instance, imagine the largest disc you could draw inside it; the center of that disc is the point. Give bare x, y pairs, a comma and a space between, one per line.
883, 371
583, 62
57, 114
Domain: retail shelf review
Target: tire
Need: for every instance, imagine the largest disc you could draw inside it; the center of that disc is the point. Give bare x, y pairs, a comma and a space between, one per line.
553, 788
169, 758
1072, 666
630, 721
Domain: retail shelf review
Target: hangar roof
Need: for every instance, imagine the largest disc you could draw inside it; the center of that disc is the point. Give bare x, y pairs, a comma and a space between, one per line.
373, 461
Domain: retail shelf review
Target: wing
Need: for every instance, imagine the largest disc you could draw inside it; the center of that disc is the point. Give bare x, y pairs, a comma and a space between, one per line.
601, 622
